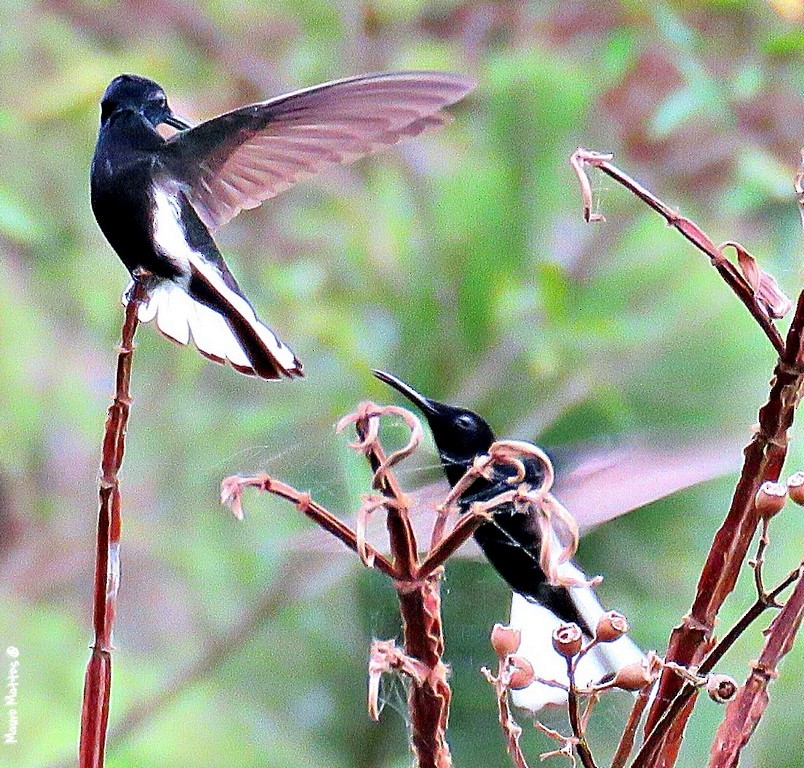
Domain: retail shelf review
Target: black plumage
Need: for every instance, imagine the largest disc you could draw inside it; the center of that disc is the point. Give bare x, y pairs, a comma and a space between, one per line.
512, 541
158, 200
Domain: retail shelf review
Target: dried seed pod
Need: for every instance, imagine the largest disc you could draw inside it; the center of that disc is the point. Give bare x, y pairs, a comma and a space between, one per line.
632, 677
721, 688
521, 672
795, 487
612, 626
770, 498
505, 640
567, 639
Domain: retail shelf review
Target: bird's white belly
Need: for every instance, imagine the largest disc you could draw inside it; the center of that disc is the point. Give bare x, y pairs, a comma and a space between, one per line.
168, 233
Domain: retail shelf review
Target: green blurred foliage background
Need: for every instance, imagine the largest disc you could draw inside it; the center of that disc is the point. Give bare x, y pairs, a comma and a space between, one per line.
458, 261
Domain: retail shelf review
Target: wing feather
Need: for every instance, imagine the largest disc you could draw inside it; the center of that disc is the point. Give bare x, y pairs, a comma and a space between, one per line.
241, 158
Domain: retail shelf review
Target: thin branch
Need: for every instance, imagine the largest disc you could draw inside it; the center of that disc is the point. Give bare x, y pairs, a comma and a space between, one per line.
764, 458
746, 709
468, 523
232, 489
691, 231
629, 733
98, 678
508, 725
581, 746
687, 691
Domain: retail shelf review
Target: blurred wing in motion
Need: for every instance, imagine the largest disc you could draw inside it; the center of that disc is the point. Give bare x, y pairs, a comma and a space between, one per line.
597, 486
241, 158
606, 484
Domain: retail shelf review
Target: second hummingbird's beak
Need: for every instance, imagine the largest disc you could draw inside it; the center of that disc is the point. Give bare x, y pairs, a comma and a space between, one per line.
176, 122
427, 406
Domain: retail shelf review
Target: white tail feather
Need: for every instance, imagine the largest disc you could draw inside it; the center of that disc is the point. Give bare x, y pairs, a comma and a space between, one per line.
180, 318
280, 351
536, 623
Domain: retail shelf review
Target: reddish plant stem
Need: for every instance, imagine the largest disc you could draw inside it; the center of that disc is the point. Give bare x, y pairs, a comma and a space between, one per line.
402, 540
689, 229
98, 679
422, 628
764, 457
511, 730
688, 690
629, 733
449, 544
319, 515
745, 710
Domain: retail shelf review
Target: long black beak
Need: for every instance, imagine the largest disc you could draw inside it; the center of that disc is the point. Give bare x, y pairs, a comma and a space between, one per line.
427, 406
175, 122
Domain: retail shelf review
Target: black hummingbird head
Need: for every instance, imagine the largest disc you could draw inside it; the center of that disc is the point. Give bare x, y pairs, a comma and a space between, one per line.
459, 434
131, 93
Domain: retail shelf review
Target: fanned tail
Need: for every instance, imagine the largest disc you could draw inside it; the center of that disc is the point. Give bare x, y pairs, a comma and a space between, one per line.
233, 335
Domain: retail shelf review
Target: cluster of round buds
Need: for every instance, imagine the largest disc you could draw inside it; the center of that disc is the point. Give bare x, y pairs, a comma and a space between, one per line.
567, 639
721, 688
611, 626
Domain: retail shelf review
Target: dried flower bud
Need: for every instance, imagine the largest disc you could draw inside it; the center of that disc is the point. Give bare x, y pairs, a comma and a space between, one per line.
632, 677
521, 672
612, 626
721, 688
567, 639
505, 640
795, 487
770, 498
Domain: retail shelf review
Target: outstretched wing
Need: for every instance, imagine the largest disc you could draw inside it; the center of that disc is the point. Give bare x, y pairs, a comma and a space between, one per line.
243, 157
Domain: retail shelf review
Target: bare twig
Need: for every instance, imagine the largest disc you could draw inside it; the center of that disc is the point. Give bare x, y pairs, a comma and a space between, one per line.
418, 589
764, 458
419, 596
98, 679
232, 490
510, 728
747, 293
630, 731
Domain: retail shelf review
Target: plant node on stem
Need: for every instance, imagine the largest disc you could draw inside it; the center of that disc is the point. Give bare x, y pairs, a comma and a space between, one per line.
98, 678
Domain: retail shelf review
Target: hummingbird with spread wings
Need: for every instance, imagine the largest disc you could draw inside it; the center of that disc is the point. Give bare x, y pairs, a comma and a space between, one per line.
159, 200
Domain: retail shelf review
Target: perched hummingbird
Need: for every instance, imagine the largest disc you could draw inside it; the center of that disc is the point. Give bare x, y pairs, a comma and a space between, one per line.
512, 544
158, 200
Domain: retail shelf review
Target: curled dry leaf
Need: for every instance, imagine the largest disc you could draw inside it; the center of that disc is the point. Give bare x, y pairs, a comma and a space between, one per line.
579, 160
232, 491
385, 656
766, 290
370, 414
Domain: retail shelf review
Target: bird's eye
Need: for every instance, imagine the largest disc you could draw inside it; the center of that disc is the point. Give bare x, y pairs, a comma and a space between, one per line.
465, 421
159, 100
